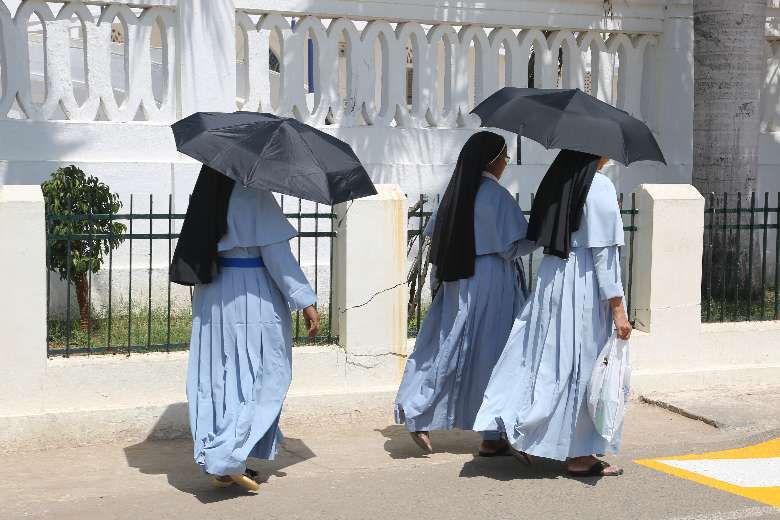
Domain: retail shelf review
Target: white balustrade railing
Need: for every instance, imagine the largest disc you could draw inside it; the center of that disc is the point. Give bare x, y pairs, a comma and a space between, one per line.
114, 81
451, 68
105, 60
367, 72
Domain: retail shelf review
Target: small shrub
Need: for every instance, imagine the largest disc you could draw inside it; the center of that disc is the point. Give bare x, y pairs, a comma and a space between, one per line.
72, 194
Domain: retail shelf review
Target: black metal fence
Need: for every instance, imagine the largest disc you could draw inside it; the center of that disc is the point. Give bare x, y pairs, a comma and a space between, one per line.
418, 217
741, 261
130, 305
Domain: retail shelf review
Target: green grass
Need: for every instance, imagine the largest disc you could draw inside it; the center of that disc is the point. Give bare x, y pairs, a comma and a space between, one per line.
738, 310
413, 324
96, 340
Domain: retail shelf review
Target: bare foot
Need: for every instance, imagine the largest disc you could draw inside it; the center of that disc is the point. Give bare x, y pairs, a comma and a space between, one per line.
422, 440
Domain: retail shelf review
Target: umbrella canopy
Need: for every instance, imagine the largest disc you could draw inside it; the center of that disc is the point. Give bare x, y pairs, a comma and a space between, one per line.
572, 120
274, 153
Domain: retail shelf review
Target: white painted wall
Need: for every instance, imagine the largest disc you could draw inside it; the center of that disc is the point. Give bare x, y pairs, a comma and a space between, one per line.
23, 306
83, 400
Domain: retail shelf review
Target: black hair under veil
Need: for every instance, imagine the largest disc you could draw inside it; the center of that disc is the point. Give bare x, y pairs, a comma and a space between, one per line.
557, 208
453, 247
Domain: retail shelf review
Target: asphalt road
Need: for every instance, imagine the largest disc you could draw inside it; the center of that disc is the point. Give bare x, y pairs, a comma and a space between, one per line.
371, 470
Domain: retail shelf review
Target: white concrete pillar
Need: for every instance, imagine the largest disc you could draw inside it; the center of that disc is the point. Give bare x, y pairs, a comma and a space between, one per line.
23, 301
667, 262
206, 45
370, 292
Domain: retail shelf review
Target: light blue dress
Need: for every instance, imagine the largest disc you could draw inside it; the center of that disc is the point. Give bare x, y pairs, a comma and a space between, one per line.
537, 393
240, 353
468, 323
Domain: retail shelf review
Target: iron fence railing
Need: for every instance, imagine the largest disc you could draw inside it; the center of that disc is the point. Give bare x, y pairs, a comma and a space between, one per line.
741, 259
157, 316
420, 213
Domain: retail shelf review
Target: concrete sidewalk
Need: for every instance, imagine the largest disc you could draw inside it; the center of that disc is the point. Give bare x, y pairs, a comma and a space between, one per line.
748, 408
370, 469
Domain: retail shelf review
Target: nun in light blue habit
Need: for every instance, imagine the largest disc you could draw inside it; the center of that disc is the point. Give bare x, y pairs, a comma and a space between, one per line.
234, 248
478, 235
537, 393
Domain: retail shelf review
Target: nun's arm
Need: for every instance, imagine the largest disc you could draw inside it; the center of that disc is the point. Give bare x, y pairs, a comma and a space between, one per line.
519, 248
606, 262
287, 274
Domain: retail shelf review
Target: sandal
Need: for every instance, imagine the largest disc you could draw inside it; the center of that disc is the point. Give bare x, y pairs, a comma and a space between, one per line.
521, 456
596, 470
422, 440
228, 480
245, 482
503, 451
222, 482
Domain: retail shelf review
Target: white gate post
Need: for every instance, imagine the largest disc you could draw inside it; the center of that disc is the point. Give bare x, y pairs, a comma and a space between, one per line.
370, 292
668, 262
23, 301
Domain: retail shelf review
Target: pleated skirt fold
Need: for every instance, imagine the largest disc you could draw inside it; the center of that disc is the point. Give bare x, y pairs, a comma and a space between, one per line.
538, 391
240, 368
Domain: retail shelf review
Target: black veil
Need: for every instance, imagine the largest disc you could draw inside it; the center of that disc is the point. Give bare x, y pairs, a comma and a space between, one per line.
452, 247
195, 259
557, 208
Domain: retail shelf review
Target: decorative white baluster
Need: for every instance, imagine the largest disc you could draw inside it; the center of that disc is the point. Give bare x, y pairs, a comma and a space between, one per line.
59, 84
446, 71
573, 71
129, 106
165, 109
292, 100
258, 93
99, 63
325, 73
602, 71
544, 68
484, 74
345, 110
268, 25
32, 110
140, 58
11, 57
87, 111
391, 78
422, 78
620, 46
516, 68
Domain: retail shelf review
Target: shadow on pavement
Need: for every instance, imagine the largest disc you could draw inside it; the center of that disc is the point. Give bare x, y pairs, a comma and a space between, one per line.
400, 445
173, 458
511, 468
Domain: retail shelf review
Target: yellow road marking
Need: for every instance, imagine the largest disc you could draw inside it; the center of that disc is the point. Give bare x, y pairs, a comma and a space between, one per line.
766, 450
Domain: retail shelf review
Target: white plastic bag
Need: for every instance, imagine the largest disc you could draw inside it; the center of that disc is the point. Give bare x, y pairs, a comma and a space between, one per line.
609, 387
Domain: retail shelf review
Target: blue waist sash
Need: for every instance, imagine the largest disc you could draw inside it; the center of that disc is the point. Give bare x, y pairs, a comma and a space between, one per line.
247, 263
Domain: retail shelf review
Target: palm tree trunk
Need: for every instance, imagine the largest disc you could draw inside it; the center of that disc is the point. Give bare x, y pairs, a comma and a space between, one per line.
729, 70
729, 65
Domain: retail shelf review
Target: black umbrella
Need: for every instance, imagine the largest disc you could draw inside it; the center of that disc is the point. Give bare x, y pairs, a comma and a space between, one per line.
570, 119
275, 153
